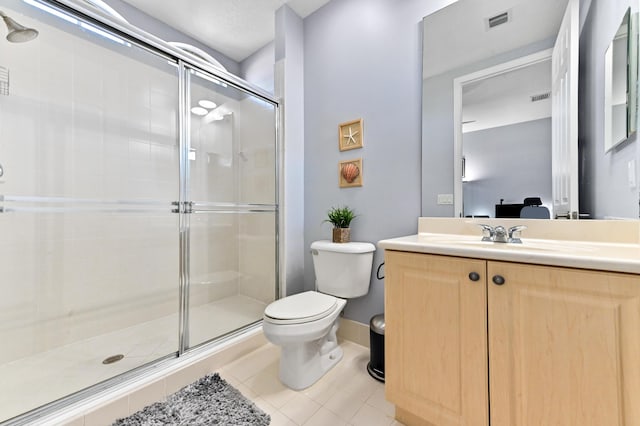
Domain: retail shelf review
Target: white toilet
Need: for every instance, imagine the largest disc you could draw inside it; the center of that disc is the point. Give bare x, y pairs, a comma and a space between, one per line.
305, 324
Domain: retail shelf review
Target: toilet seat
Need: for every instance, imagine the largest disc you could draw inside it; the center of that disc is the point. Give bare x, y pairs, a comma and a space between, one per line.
300, 308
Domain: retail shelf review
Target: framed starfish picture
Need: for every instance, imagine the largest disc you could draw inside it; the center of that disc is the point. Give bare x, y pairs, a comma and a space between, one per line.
350, 135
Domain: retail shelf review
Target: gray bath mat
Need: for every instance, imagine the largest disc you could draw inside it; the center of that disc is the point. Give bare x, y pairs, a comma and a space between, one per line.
209, 401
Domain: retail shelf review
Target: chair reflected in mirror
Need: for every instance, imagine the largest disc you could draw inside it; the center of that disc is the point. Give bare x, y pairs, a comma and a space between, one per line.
533, 209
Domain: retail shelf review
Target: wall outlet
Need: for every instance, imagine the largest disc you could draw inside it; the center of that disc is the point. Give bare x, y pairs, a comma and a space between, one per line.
445, 199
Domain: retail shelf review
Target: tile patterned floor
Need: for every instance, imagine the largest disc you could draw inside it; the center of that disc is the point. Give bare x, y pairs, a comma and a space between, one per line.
345, 396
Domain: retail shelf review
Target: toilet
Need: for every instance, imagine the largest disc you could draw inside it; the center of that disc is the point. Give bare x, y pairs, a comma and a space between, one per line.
304, 325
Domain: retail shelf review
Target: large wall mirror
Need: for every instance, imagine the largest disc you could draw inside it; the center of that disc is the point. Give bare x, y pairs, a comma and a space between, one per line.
501, 51
620, 83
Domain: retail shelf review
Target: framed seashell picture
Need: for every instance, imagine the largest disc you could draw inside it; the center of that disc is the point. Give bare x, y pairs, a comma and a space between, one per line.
350, 173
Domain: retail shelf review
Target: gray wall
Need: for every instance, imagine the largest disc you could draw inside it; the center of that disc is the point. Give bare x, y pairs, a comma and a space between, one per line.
510, 162
289, 57
258, 68
437, 128
363, 60
604, 190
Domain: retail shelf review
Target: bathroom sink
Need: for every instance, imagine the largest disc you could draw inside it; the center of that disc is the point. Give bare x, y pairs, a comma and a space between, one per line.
472, 241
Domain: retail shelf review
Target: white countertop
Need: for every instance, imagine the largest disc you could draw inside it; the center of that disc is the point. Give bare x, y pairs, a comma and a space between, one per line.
576, 253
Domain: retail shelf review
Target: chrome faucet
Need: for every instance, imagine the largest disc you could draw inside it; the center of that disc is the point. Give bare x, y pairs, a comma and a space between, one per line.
500, 234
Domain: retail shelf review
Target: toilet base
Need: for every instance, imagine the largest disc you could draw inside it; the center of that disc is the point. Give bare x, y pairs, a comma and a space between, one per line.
307, 350
303, 365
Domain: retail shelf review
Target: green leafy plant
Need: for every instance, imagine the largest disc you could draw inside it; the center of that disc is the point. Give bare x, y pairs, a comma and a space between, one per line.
340, 217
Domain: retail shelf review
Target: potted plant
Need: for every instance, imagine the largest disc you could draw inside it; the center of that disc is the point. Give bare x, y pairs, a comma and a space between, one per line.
341, 217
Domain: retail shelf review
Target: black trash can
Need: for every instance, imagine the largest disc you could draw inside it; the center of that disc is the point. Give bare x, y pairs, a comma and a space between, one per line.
375, 367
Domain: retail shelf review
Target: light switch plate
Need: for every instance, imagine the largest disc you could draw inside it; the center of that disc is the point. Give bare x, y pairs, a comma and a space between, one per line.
445, 199
631, 173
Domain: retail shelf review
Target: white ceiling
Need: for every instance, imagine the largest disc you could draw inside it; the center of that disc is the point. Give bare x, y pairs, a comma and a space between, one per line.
506, 98
236, 28
461, 27
458, 35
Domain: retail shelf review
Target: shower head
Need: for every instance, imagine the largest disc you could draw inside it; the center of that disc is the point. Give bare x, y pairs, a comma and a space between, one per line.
18, 33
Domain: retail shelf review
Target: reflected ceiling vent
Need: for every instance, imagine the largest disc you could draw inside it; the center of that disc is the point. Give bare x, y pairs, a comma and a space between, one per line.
540, 97
499, 19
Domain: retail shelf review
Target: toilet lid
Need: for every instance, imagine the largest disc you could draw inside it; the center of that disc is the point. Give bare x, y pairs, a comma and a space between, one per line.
307, 306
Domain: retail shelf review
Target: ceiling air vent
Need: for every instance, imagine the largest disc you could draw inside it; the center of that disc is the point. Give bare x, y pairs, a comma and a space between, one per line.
540, 97
500, 19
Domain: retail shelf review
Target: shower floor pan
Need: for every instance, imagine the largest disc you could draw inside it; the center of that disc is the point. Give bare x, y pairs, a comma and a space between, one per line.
36, 380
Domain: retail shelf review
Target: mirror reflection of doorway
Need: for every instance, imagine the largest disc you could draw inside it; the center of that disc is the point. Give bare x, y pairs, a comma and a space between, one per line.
506, 138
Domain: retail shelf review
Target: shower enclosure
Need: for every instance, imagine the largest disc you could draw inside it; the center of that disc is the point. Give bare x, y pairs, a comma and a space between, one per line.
138, 204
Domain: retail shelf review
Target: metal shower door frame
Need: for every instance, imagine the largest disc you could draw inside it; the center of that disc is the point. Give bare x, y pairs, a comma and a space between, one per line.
186, 206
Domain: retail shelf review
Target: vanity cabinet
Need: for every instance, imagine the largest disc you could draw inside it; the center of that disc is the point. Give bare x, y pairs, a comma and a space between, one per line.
539, 345
564, 346
436, 338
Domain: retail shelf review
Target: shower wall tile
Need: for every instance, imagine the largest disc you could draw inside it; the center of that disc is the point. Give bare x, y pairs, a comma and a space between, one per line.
257, 272
88, 76
213, 172
86, 101
164, 114
257, 257
213, 255
84, 275
256, 136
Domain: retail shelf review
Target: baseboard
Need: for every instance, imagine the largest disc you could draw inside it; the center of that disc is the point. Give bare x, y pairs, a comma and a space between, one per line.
354, 331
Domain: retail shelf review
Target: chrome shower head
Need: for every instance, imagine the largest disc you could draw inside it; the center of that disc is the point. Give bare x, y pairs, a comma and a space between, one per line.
18, 33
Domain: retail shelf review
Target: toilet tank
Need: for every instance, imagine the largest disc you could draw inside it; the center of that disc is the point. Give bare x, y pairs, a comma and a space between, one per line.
342, 269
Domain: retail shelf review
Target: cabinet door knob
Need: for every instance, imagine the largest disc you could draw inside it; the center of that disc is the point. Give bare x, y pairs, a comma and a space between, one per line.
498, 279
474, 276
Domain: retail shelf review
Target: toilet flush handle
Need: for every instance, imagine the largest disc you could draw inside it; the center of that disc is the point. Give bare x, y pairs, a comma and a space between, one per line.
314, 252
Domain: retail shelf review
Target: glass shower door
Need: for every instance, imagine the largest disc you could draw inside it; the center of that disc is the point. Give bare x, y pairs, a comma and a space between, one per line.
133, 225
232, 225
88, 254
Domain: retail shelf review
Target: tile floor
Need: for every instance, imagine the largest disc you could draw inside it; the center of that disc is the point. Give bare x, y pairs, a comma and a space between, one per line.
345, 396
32, 381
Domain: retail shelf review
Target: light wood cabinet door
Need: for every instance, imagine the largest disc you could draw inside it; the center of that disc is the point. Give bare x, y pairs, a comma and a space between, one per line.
564, 346
436, 337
